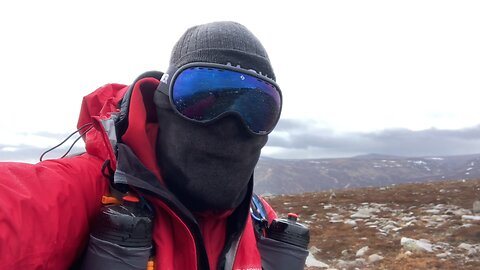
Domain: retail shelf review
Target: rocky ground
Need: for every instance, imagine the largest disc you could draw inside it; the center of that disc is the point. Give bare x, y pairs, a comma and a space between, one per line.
433, 225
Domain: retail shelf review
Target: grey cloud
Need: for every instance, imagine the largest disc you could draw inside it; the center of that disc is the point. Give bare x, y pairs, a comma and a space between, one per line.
290, 124
428, 142
29, 153
301, 139
57, 136
32, 153
22, 152
402, 142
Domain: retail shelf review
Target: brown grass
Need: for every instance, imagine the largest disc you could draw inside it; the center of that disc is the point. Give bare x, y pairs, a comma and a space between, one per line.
334, 238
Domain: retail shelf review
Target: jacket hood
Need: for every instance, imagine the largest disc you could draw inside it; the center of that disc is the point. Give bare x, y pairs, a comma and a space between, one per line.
96, 107
130, 109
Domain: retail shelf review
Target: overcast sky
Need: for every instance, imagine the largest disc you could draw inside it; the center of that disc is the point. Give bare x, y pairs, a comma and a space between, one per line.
390, 77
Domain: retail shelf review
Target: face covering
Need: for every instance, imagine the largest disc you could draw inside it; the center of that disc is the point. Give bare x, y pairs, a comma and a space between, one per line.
207, 166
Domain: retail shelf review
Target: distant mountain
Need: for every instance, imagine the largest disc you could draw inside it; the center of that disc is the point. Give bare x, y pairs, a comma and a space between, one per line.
293, 176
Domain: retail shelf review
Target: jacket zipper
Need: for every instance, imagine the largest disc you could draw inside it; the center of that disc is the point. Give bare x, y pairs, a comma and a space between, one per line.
184, 216
150, 184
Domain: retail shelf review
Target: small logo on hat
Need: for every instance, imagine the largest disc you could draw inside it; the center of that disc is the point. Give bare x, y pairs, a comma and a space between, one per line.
164, 78
238, 66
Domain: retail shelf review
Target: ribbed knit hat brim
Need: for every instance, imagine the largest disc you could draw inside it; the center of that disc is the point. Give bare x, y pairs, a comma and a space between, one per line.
222, 43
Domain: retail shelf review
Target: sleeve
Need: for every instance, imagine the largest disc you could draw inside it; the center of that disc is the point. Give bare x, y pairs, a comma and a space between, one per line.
45, 209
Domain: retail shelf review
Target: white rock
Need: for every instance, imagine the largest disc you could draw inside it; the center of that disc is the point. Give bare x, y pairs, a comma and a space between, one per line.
361, 252
468, 217
407, 218
374, 258
471, 249
444, 244
360, 214
460, 212
437, 247
442, 255
314, 250
476, 207
465, 246
312, 262
360, 260
382, 233
364, 212
410, 223
334, 220
415, 245
391, 222
342, 264
389, 227
350, 222
433, 211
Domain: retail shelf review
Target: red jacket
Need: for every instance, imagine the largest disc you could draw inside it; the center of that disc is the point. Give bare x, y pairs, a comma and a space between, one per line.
46, 208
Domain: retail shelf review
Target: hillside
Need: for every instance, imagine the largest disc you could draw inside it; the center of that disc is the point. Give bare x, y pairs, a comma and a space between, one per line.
284, 176
435, 220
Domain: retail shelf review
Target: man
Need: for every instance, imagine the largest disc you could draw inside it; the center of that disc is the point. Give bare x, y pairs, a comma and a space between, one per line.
187, 141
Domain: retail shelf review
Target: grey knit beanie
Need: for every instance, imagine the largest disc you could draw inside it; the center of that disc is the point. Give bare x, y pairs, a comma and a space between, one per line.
222, 43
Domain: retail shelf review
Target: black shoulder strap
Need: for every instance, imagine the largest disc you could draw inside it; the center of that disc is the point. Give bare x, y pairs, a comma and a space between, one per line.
259, 215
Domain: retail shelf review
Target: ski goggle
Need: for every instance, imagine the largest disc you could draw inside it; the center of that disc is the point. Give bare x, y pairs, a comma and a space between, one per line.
204, 92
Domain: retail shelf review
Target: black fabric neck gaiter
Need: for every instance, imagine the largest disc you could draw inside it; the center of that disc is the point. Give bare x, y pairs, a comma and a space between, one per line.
207, 167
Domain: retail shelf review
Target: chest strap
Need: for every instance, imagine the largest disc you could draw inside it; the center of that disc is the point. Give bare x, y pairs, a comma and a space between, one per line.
259, 215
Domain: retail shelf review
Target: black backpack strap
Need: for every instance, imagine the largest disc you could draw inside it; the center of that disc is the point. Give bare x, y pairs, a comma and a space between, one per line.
259, 215
116, 190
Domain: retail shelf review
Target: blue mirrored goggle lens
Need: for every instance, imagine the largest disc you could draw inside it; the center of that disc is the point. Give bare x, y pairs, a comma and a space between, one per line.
204, 94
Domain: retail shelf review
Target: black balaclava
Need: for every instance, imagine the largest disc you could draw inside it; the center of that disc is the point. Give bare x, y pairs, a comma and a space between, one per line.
208, 167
